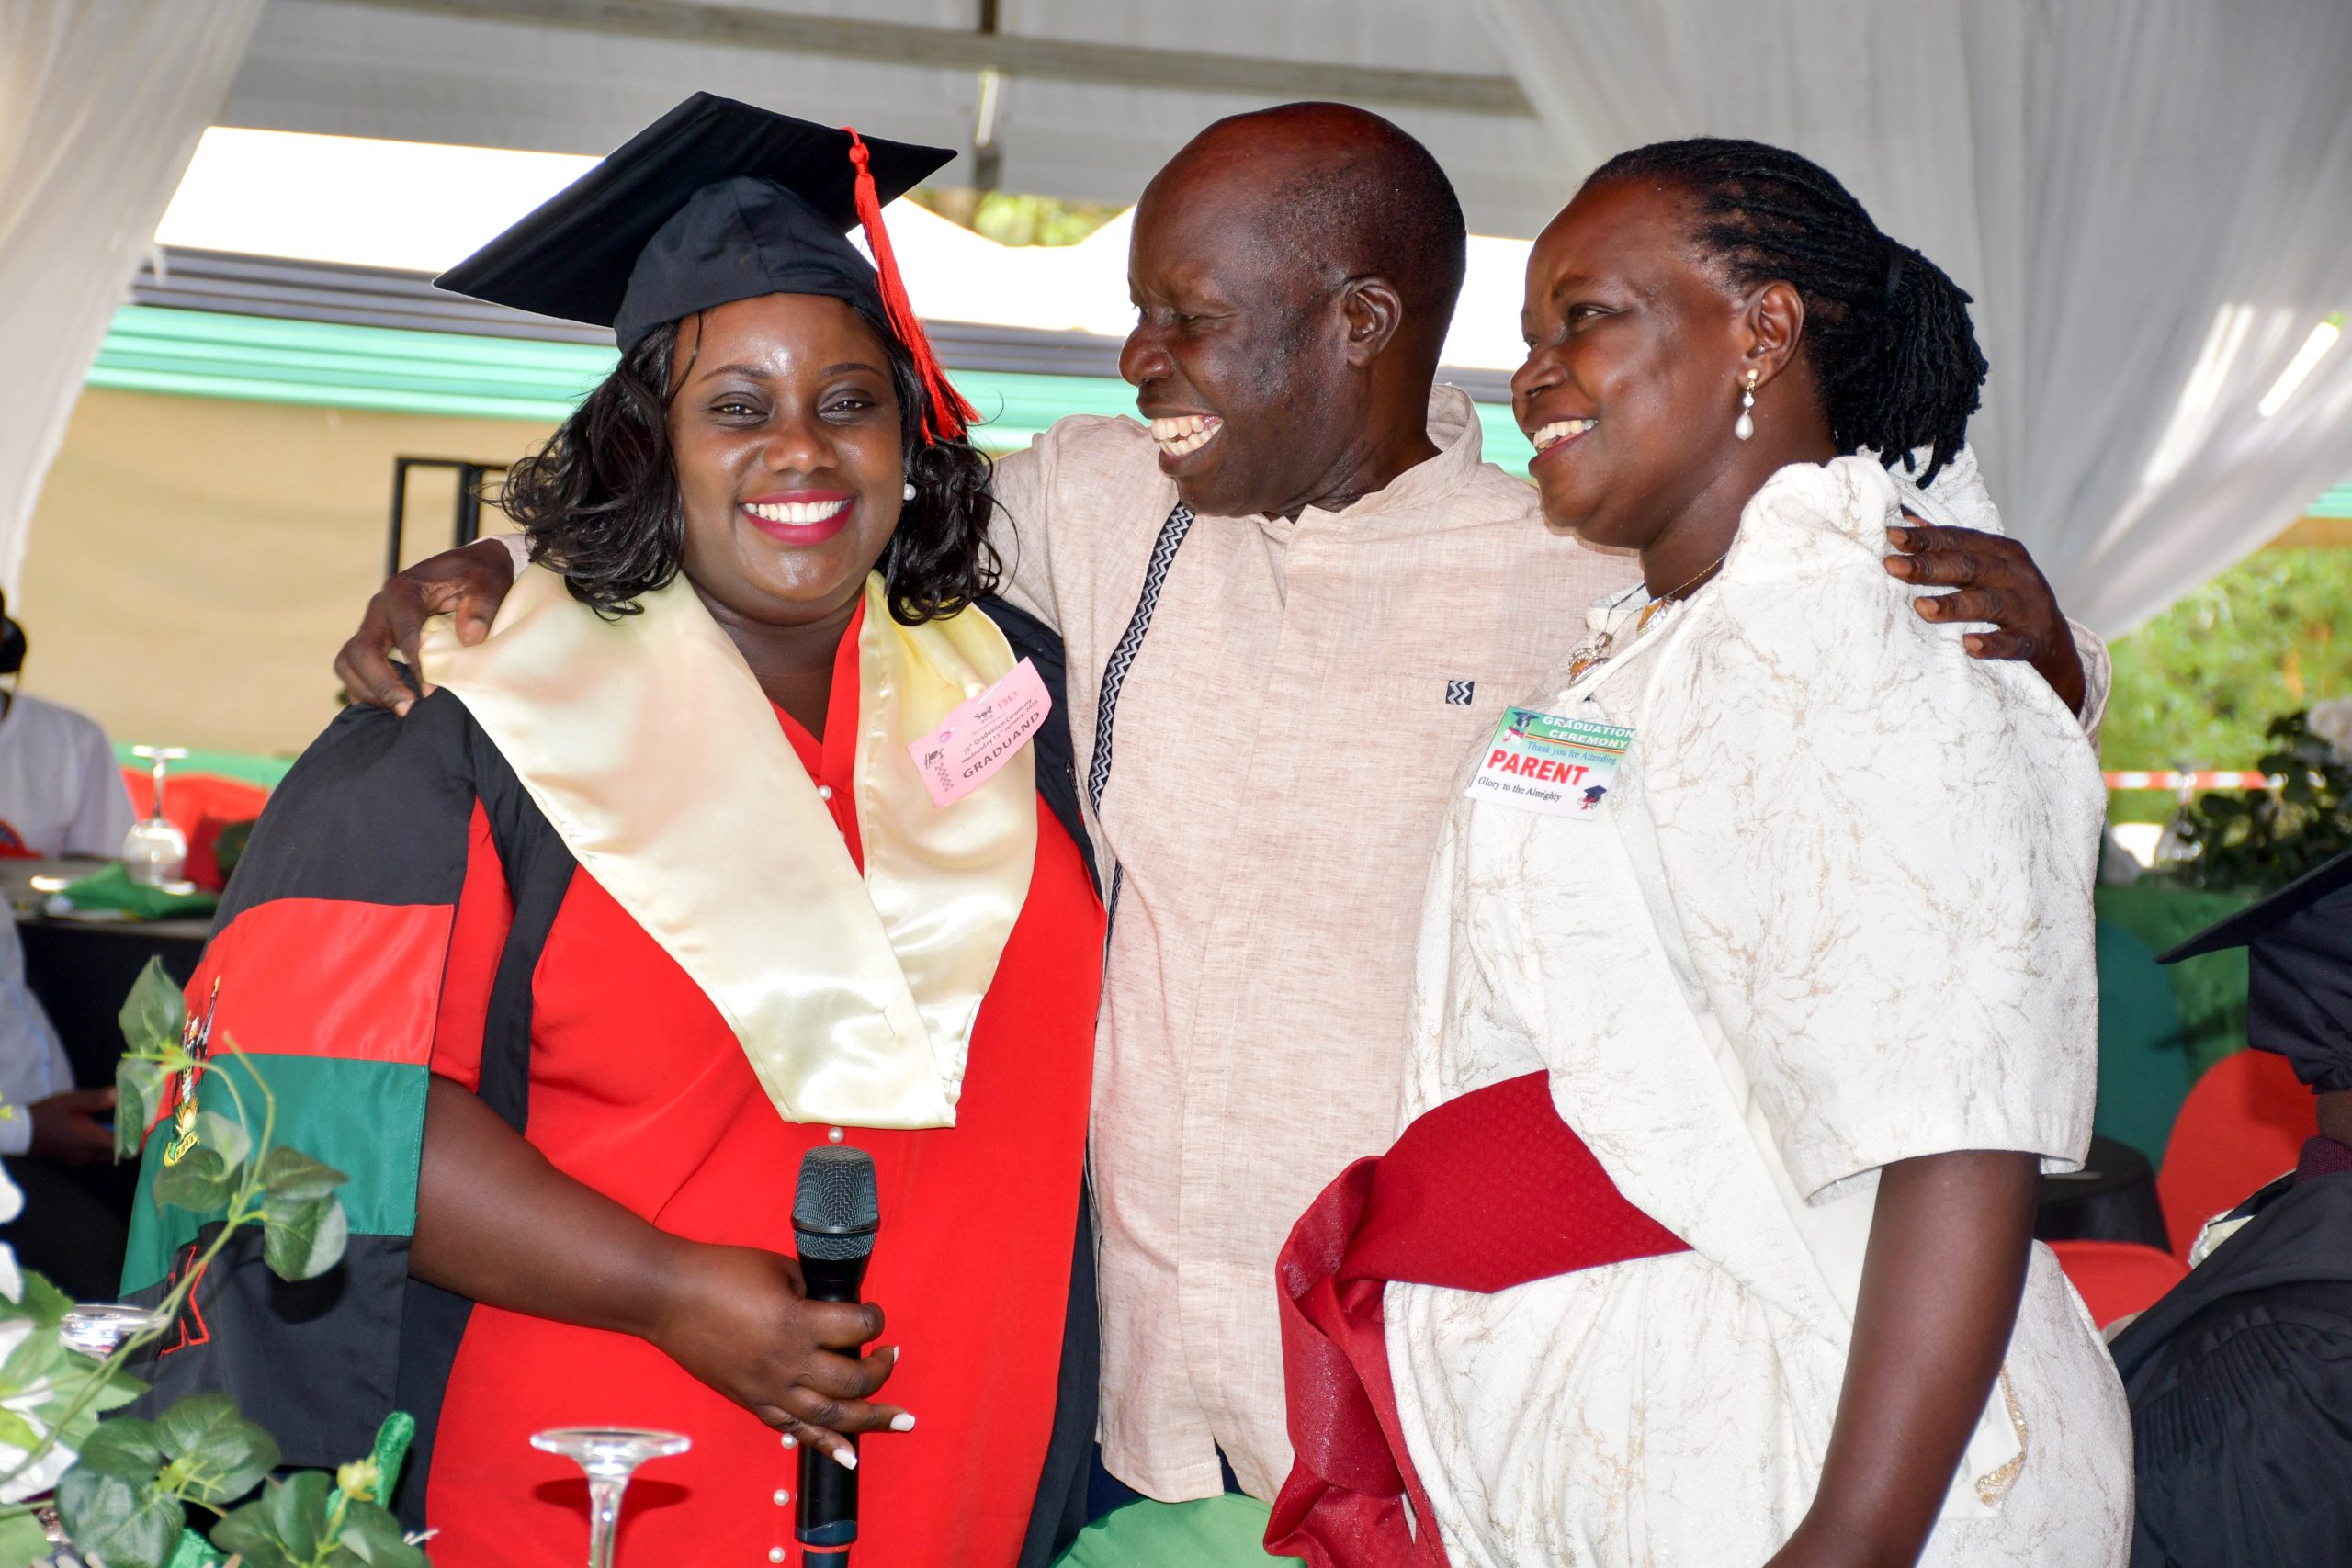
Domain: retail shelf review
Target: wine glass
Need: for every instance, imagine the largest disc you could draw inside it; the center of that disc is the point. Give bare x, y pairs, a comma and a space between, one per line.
155, 851
609, 1455
98, 1328
95, 1328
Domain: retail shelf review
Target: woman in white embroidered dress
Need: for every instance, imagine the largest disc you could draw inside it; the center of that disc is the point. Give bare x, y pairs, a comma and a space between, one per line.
1814, 983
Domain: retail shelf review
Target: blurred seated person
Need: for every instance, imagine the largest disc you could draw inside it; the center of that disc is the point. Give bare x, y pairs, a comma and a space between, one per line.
61, 793
55, 1146
2240, 1379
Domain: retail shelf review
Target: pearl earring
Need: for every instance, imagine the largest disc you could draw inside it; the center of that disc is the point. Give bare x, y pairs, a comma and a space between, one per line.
908, 493
1746, 427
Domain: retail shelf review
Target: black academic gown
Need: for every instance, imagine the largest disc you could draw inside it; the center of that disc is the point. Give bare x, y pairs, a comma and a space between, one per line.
2240, 1382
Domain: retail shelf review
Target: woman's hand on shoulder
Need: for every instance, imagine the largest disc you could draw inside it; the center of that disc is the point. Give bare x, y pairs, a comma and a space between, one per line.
1996, 581
736, 1317
469, 582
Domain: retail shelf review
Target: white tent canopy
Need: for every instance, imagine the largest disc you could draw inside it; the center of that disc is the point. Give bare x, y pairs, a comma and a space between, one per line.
422, 208
2146, 197
446, 71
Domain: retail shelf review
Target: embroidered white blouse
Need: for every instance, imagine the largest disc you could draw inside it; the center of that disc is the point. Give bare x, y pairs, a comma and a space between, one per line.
1836, 913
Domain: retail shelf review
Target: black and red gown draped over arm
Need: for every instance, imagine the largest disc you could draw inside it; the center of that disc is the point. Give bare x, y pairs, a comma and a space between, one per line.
557, 1006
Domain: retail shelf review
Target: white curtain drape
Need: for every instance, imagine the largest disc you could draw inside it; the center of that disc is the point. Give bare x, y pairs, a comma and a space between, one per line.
2150, 199
101, 103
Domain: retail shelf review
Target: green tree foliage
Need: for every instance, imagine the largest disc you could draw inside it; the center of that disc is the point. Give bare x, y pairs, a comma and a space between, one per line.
2260, 840
1012, 219
2199, 685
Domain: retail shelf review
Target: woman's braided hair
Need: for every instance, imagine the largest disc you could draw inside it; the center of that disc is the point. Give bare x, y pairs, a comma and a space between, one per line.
1887, 332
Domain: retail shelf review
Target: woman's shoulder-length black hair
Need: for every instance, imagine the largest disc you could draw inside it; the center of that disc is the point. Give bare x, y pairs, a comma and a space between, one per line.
600, 499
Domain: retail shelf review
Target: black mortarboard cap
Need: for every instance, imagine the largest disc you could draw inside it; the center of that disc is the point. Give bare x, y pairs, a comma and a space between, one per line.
2299, 971
714, 202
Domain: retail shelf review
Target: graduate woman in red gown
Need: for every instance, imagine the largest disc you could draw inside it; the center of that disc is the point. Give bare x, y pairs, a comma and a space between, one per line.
568, 967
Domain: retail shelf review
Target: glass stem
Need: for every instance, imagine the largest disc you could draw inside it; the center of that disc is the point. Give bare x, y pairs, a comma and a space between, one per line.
604, 1518
159, 787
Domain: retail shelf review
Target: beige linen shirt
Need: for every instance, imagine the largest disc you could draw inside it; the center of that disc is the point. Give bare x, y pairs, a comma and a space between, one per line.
1287, 741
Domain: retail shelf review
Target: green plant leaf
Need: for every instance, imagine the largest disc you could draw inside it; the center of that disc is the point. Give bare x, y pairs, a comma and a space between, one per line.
304, 1238
130, 1524
130, 1449
22, 1541
216, 1455
202, 1183
281, 1527
18, 1432
154, 1014
106, 1386
373, 1536
116, 1388
248, 1535
44, 1303
138, 1095
225, 1134
39, 1355
121, 1388
292, 1174
195, 1551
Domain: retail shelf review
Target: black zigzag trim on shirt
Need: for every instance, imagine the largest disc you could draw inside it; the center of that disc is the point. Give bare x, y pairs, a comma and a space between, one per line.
1114, 672
1130, 643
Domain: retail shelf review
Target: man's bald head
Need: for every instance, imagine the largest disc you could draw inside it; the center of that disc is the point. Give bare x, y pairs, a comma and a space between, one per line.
1345, 194
1294, 272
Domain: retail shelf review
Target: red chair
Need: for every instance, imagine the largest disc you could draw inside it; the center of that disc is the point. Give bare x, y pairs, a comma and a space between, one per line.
2241, 1127
2116, 1278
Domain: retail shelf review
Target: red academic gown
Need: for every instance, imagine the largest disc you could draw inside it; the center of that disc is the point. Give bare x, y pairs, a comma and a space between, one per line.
638, 1089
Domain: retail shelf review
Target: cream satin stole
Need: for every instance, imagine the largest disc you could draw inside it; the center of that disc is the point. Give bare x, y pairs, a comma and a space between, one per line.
652, 751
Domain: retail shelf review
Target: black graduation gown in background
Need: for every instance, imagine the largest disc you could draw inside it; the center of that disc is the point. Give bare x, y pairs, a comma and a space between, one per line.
2240, 1382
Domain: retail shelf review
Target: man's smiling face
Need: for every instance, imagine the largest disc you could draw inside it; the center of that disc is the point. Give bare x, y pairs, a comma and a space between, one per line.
1238, 354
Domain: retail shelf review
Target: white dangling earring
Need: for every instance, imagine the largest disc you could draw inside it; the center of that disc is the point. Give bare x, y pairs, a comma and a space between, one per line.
908, 493
1746, 427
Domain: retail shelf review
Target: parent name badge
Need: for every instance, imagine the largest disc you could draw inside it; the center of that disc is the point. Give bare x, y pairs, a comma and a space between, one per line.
1553, 766
981, 736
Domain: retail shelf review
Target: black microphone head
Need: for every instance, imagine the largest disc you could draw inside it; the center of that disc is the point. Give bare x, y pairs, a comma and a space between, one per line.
835, 1210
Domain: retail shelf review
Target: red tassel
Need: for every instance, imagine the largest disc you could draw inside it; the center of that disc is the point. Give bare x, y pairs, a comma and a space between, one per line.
949, 416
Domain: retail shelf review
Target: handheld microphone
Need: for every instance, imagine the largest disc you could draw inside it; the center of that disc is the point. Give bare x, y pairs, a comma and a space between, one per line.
835, 1212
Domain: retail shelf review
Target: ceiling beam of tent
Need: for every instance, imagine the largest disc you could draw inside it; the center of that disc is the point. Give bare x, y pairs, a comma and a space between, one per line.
1014, 54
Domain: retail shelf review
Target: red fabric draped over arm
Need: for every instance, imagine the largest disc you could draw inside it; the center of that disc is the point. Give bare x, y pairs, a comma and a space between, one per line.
1488, 1190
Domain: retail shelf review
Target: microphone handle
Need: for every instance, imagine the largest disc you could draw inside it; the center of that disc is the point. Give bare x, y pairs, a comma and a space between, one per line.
828, 1490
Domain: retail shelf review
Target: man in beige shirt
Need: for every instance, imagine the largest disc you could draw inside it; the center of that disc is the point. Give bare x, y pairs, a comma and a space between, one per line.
1302, 657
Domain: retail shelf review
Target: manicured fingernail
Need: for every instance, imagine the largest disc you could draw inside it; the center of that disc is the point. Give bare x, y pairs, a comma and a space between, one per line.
791, 1442
902, 1422
845, 1457
1974, 644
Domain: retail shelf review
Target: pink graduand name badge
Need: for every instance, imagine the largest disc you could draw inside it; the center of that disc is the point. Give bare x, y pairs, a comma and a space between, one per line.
981, 734
1556, 767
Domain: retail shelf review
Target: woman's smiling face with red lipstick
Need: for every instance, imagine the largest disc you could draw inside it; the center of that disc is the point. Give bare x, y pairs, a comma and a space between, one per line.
784, 431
